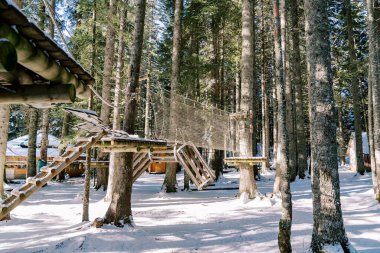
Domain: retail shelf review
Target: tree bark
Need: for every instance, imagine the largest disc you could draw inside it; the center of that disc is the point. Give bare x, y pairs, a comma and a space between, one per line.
86, 187
295, 75
32, 138
120, 208
355, 91
265, 143
282, 164
44, 135
116, 121
373, 9
4, 123
247, 180
171, 168
102, 174
45, 112
328, 226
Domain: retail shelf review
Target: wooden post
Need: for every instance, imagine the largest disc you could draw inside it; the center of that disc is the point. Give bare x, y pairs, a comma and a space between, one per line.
86, 192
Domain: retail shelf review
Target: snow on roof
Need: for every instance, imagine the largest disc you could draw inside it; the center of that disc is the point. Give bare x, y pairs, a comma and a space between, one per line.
23, 141
19, 146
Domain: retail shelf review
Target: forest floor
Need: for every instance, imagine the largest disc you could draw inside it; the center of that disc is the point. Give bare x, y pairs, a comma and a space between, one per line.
206, 221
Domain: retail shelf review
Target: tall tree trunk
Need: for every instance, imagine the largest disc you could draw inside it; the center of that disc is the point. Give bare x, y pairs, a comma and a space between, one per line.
255, 105
44, 135
282, 165
375, 174
116, 121
247, 180
328, 221
265, 143
292, 149
373, 7
277, 180
87, 176
120, 208
355, 91
340, 137
32, 139
102, 174
171, 168
45, 112
4, 122
295, 76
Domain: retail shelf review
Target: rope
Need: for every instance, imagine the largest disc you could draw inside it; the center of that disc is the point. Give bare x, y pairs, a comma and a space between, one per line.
132, 95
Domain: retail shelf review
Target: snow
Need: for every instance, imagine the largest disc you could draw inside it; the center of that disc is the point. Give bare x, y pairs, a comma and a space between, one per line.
187, 221
19, 146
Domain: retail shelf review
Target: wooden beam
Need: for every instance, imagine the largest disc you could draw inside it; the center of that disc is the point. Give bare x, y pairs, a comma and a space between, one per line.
36, 95
126, 150
29, 56
8, 56
244, 160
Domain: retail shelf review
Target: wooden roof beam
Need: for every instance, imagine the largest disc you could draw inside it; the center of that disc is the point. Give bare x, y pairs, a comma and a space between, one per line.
40, 96
37, 61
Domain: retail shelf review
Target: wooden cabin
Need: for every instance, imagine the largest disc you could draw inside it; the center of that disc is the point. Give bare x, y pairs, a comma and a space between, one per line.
16, 159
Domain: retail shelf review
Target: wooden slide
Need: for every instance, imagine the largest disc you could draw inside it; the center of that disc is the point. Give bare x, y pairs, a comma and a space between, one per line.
33, 184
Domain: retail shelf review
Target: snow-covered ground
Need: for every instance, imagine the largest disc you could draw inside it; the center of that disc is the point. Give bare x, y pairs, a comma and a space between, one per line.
207, 221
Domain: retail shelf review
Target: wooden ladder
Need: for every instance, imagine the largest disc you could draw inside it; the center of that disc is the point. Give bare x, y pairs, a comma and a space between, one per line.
195, 166
33, 184
167, 155
141, 162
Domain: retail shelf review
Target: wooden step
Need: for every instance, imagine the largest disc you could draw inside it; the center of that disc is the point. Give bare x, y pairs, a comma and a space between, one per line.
61, 159
74, 149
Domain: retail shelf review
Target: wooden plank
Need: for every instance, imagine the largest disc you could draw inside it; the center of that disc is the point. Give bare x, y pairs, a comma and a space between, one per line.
196, 169
188, 170
205, 165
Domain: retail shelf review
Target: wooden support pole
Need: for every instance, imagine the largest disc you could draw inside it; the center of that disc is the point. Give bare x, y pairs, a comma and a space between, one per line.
37, 95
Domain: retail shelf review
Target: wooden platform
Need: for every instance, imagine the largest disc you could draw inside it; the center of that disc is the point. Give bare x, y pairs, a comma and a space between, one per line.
236, 161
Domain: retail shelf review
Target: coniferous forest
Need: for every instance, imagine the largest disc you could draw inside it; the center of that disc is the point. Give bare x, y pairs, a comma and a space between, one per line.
189, 126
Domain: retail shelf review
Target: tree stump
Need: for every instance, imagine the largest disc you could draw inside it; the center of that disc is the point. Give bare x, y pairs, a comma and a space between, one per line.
98, 223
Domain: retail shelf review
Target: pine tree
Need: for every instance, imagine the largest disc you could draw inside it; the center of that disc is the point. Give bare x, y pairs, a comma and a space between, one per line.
120, 206
171, 169
328, 221
247, 180
373, 8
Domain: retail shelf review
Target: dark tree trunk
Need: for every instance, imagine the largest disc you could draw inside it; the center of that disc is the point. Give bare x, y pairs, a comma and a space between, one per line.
328, 221
282, 164
171, 168
32, 145
373, 7
355, 92
295, 75
247, 180
105, 112
120, 208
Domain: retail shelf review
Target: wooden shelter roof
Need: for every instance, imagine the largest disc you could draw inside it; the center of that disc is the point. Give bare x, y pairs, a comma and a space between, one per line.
13, 16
